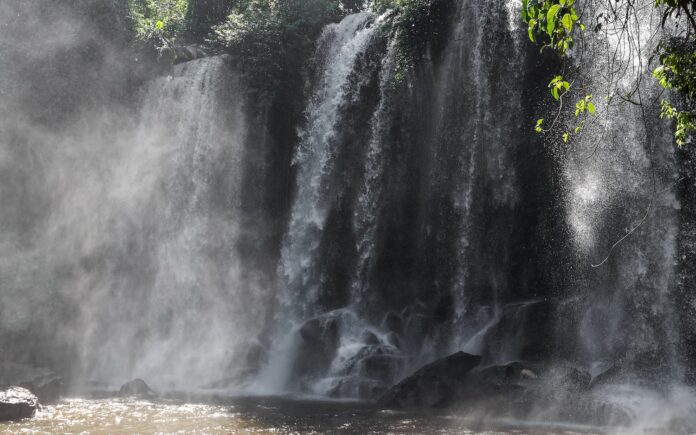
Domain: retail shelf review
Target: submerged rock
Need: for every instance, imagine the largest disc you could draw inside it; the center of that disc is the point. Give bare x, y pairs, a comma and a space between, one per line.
43, 382
136, 387
434, 385
17, 403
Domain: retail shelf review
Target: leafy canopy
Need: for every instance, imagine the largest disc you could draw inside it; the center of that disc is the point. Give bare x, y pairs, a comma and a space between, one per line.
558, 25
162, 21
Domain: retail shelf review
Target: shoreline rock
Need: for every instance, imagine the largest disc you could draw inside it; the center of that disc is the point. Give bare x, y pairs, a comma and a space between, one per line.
17, 403
137, 387
516, 390
41, 381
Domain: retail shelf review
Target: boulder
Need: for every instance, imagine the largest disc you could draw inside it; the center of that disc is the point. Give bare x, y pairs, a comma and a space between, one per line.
575, 379
17, 403
319, 340
380, 366
136, 387
379, 362
434, 385
370, 339
362, 388
647, 368
43, 382
513, 372
524, 327
392, 322
393, 340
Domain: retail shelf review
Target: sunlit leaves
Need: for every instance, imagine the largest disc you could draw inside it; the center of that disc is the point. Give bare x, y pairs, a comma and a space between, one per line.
551, 19
550, 23
677, 73
585, 105
538, 128
159, 20
558, 87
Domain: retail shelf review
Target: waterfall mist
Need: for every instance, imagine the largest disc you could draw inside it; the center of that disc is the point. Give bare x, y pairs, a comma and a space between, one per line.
156, 223
122, 220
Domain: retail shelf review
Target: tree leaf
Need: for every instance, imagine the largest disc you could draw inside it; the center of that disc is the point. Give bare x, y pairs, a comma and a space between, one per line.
551, 16
567, 22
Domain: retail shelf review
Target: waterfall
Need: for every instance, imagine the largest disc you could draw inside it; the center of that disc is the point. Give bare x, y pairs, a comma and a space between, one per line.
137, 259
151, 238
475, 157
339, 47
620, 180
429, 218
355, 192
193, 313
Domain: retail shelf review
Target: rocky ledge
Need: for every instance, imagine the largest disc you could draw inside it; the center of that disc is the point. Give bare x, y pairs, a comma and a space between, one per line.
544, 392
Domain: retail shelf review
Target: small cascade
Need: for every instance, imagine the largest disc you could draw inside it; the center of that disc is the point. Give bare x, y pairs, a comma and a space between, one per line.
474, 167
620, 178
339, 48
342, 50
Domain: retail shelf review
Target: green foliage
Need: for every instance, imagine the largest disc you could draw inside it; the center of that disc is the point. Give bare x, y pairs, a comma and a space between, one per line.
553, 24
412, 24
408, 8
677, 72
161, 21
272, 36
558, 87
550, 24
202, 15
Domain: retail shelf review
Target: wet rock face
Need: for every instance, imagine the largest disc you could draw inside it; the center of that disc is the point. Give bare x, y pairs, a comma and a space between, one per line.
339, 355
136, 387
319, 343
434, 385
517, 390
17, 403
43, 382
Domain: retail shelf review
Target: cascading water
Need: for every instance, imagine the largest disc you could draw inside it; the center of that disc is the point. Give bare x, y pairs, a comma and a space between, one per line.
469, 128
195, 200
442, 226
427, 217
142, 241
340, 49
620, 181
357, 189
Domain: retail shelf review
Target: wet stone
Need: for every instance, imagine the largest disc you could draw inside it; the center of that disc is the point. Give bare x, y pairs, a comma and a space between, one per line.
17, 403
